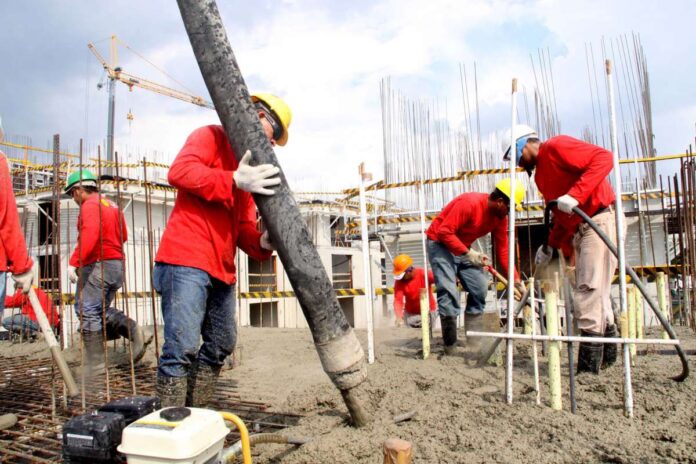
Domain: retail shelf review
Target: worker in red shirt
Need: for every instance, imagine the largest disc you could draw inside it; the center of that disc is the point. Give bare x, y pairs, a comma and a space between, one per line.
450, 236
96, 266
408, 282
14, 257
195, 272
26, 322
575, 173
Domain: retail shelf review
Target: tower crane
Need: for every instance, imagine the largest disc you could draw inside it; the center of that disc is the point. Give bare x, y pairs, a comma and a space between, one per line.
116, 73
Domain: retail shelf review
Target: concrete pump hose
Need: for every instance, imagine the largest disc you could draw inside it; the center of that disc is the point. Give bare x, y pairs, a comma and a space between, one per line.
229, 455
665, 324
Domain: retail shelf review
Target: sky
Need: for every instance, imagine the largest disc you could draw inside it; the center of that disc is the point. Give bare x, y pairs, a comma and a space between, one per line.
326, 59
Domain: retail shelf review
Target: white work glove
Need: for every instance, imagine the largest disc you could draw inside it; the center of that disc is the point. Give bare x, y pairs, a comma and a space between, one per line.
23, 281
543, 255
477, 259
265, 242
72, 274
566, 203
255, 179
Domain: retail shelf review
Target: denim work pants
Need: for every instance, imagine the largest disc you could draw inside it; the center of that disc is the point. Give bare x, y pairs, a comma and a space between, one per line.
3, 290
20, 323
194, 304
96, 292
447, 268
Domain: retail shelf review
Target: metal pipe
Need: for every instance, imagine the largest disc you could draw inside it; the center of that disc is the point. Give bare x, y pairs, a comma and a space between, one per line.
511, 249
367, 275
340, 353
535, 357
568, 305
575, 338
628, 388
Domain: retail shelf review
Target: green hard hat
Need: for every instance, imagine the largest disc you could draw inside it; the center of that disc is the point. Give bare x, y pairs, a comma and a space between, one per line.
80, 178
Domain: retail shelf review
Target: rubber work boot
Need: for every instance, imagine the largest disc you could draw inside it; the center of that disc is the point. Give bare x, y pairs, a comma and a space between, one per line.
201, 385
118, 323
94, 351
171, 390
474, 323
449, 334
589, 354
610, 349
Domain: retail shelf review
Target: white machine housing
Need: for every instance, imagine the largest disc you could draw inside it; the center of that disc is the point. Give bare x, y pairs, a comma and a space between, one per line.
196, 439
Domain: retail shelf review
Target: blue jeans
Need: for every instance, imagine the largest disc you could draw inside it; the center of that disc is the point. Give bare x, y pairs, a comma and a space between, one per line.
20, 323
194, 304
97, 292
3, 290
447, 268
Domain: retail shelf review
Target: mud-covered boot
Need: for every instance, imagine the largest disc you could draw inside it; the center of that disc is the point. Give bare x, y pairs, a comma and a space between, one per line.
589, 354
202, 383
473, 323
610, 349
171, 390
449, 334
123, 326
94, 352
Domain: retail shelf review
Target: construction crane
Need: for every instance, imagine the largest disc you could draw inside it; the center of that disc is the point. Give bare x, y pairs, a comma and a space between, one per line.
116, 73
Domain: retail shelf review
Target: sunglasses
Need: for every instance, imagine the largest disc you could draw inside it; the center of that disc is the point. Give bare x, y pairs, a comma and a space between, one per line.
271, 118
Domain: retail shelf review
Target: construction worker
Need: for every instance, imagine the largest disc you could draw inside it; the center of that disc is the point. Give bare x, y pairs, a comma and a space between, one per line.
574, 173
408, 282
450, 236
14, 257
96, 266
26, 322
194, 271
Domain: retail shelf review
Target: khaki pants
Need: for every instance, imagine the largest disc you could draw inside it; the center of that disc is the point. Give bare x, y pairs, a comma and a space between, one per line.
594, 269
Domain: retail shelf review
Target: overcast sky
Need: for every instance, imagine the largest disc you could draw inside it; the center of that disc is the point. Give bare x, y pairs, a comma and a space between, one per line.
326, 59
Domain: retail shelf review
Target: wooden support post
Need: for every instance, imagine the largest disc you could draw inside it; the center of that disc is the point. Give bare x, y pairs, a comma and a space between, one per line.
662, 299
425, 320
397, 451
554, 351
640, 314
632, 322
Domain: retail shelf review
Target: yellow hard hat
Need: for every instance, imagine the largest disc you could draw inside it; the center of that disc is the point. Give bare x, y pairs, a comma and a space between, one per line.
280, 109
505, 186
401, 263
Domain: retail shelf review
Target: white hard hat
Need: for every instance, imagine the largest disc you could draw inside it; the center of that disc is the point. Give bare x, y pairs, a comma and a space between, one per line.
521, 131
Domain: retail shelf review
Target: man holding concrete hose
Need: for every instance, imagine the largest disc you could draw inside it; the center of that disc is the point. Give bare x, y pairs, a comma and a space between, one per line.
450, 236
14, 257
575, 173
194, 271
96, 266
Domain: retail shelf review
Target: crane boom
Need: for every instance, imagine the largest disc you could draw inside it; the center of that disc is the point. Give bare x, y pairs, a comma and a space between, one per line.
131, 81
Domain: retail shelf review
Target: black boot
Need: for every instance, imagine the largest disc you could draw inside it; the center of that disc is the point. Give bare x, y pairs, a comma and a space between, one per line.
94, 351
449, 333
171, 390
590, 354
474, 323
610, 349
201, 385
122, 326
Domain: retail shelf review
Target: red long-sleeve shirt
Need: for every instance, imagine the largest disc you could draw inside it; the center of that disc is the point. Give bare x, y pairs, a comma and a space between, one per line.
569, 166
13, 249
113, 231
410, 290
211, 216
467, 218
20, 300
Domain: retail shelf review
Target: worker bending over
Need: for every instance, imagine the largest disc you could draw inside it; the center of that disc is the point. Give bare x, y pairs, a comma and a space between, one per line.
96, 266
450, 236
408, 282
26, 322
14, 257
214, 213
575, 173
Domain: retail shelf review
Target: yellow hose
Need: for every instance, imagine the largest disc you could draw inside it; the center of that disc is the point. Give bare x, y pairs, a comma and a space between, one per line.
243, 432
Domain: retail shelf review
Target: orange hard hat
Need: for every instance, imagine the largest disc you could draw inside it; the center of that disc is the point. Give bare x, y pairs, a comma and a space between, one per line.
401, 263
